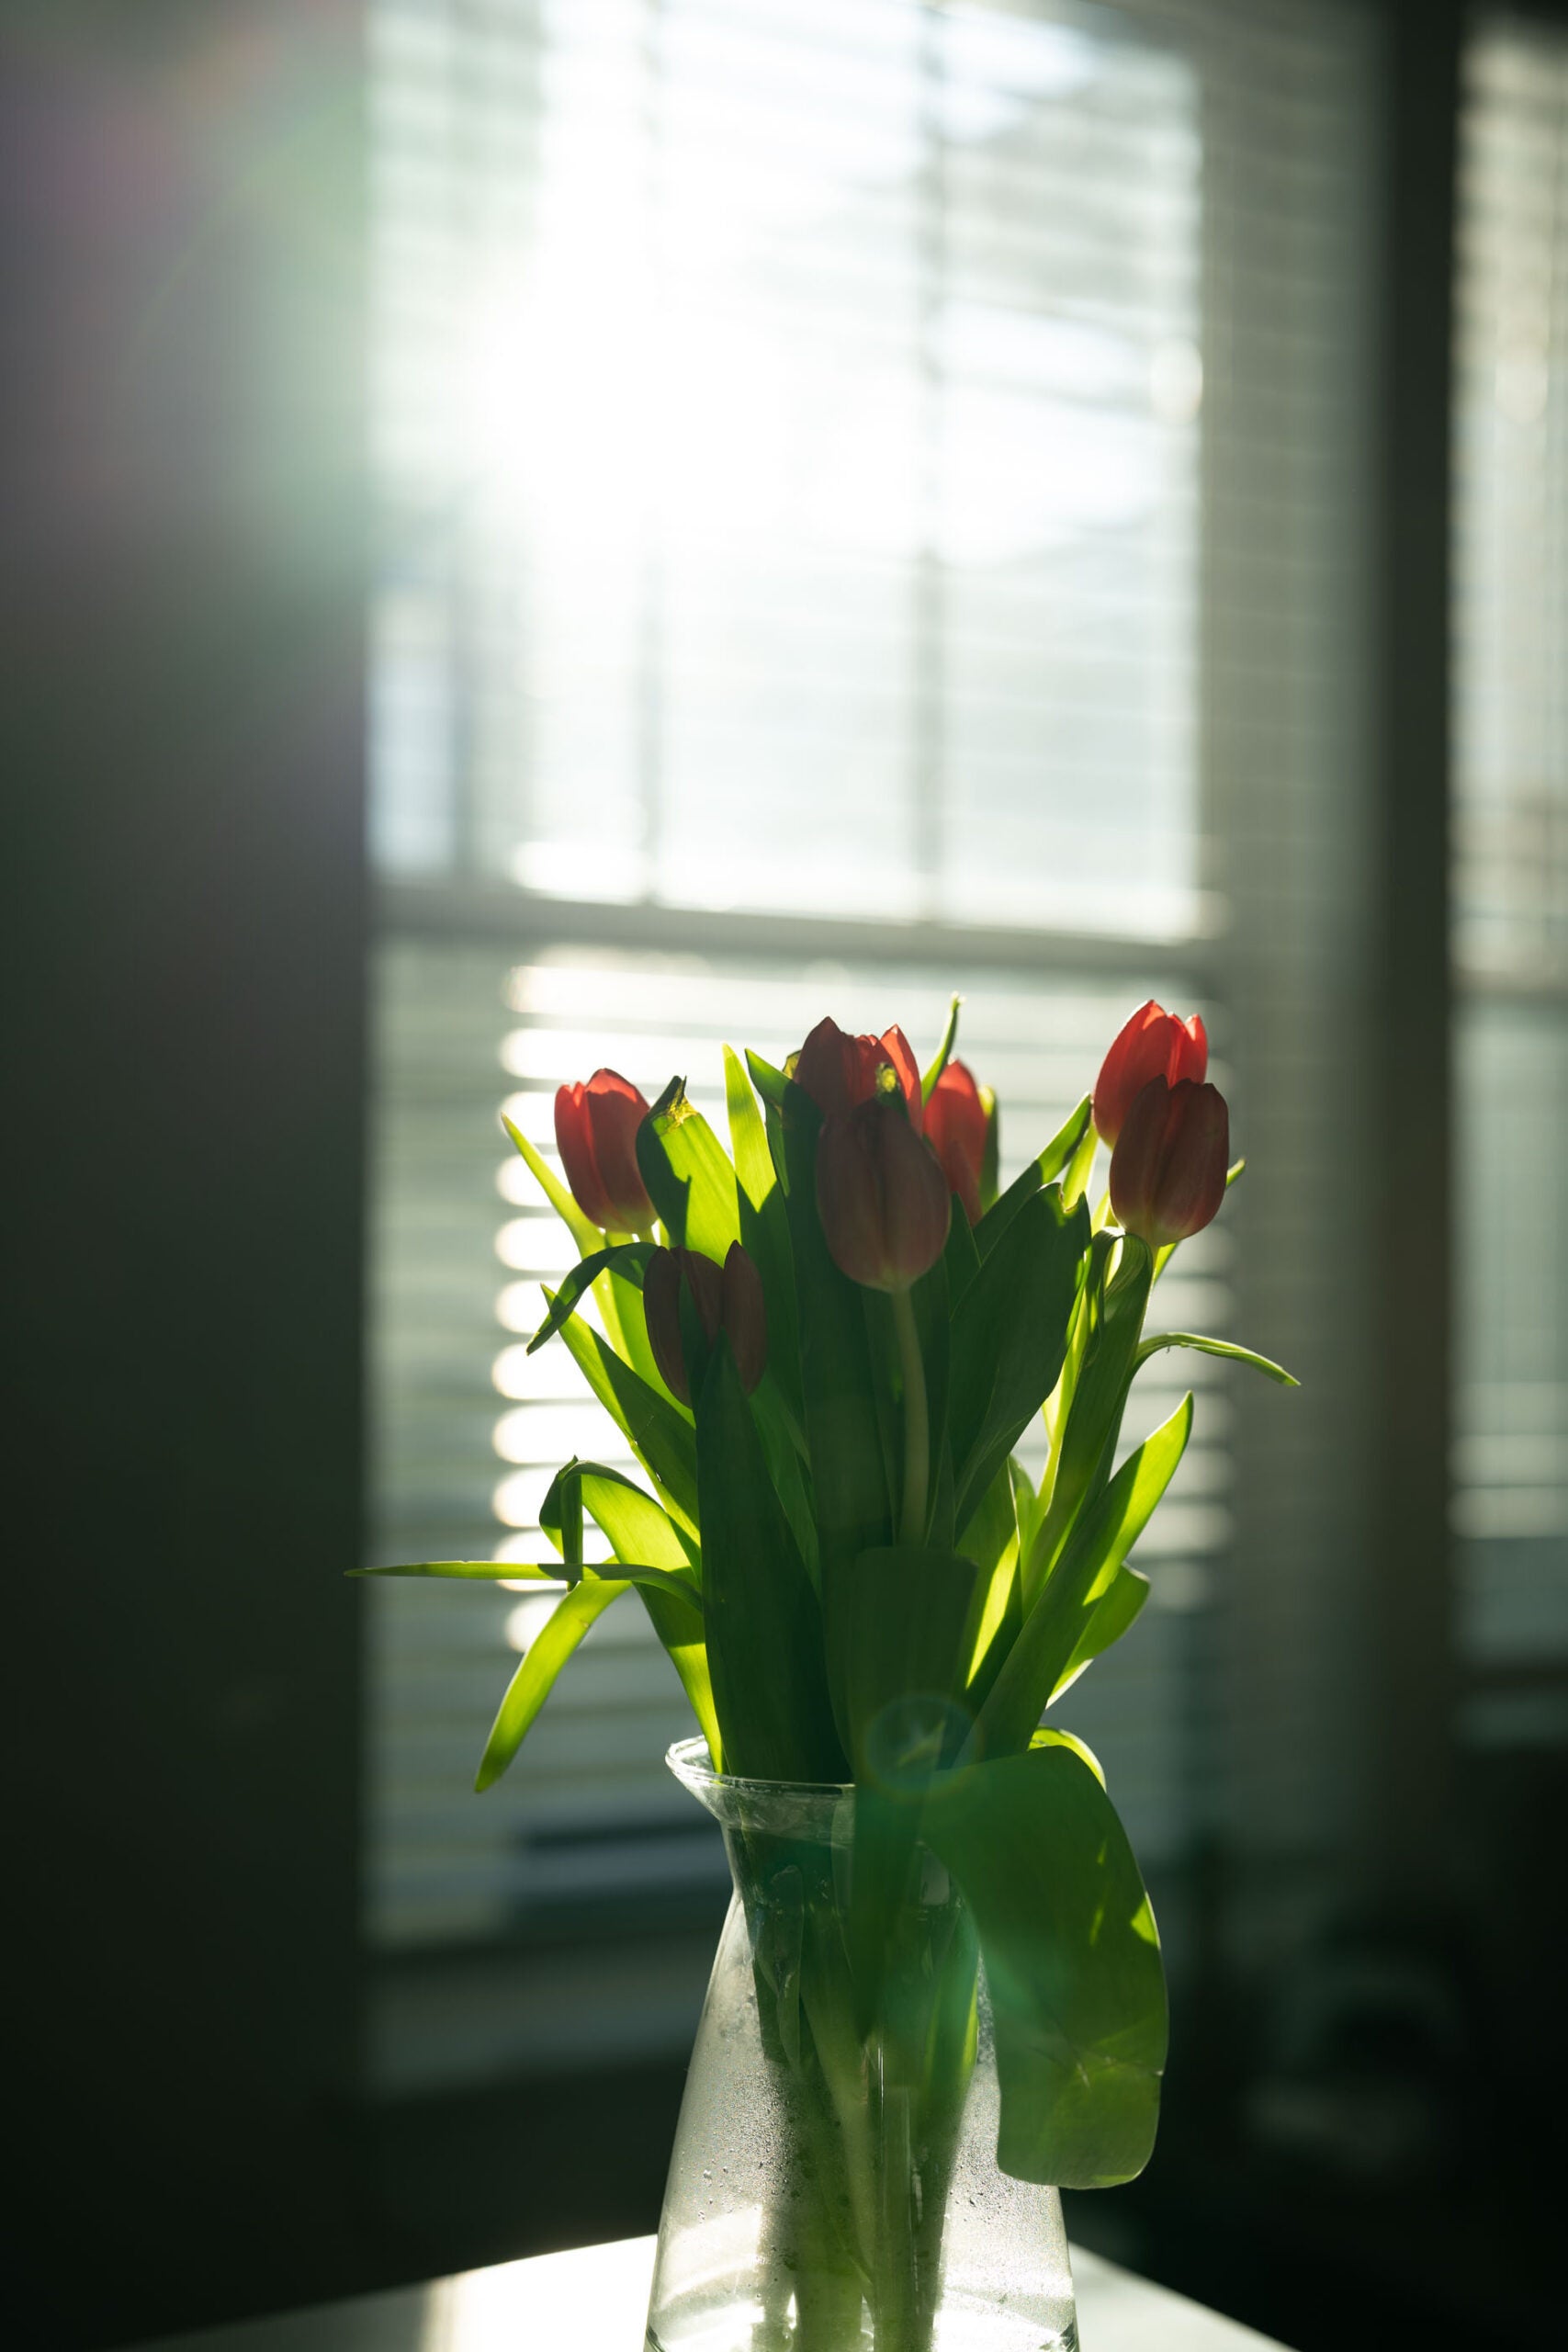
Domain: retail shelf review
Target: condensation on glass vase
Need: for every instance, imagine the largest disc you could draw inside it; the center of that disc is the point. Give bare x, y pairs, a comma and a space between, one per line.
834, 2185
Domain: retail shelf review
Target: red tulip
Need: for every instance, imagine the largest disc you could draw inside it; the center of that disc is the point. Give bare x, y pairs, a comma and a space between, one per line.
1167, 1171
881, 1195
838, 1070
727, 1299
956, 1125
596, 1128
1154, 1044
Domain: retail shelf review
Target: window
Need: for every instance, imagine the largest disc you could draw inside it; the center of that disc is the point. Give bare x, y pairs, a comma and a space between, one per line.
867, 504
1511, 882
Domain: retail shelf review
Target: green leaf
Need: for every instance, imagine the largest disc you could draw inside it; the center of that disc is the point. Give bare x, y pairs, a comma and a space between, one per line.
770, 1084
764, 1628
783, 1443
1067, 1139
1080, 1748
900, 1627
932, 1329
1001, 1213
1087, 1439
962, 1255
1216, 1348
991, 1151
660, 1436
688, 1176
639, 1529
472, 1571
651, 1553
765, 1229
849, 1486
1116, 1610
626, 1327
773, 1085
679, 1624
1010, 1333
991, 1541
1055, 1628
628, 1259
541, 1662
1038, 1172
1077, 1173
1072, 1962
582, 1229
943, 1052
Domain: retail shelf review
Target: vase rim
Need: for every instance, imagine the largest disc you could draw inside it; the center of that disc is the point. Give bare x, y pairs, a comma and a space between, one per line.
693, 1766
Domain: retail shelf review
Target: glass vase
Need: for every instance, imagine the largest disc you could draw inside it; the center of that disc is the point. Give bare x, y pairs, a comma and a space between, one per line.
833, 2186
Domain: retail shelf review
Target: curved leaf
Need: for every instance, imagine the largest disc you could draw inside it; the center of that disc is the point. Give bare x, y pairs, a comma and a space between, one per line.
770, 1084
1080, 1749
627, 1258
1117, 1610
1057, 1624
764, 1628
1081, 1165
1009, 1334
541, 1662
1110, 1321
639, 1529
1159, 1339
660, 1435
943, 1052
1040, 1171
582, 1229
991, 1540
688, 1175
764, 1227
1072, 1961
472, 1571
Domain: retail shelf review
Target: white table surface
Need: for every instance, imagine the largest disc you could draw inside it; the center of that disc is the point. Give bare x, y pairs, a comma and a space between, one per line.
594, 2300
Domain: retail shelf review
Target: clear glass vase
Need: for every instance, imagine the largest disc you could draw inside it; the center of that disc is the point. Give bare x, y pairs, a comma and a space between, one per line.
833, 2186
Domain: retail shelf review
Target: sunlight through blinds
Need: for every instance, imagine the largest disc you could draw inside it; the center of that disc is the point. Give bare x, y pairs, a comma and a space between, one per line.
1511, 875
866, 506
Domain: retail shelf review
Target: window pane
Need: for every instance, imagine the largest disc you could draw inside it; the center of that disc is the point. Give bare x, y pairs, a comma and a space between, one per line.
788, 434
1511, 873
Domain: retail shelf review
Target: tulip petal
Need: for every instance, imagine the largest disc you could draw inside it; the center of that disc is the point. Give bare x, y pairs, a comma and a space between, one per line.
1168, 1171
896, 1049
575, 1143
1153, 1043
957, 1127
688, 1175
744, 1316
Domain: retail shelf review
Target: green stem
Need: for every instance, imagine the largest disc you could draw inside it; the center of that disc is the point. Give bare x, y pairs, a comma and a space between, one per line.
916, 1422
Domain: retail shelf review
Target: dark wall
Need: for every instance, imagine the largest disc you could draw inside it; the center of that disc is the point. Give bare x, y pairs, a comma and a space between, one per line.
181, 739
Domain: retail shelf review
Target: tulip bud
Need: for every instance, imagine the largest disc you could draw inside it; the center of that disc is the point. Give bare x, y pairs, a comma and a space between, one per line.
1154, 1044
838, 1070
688, 1300
596, 1128
881, 1196
956, 1126
1167, 1171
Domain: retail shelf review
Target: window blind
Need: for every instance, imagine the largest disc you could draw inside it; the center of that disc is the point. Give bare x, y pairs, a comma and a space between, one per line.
866, 507
1511, 879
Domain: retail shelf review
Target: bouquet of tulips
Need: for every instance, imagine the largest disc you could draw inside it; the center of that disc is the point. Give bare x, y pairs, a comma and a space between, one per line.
823, 1346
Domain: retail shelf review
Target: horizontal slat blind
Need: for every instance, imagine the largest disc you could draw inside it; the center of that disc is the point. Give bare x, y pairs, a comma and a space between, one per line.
806, 402
884, 462
1511, 873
